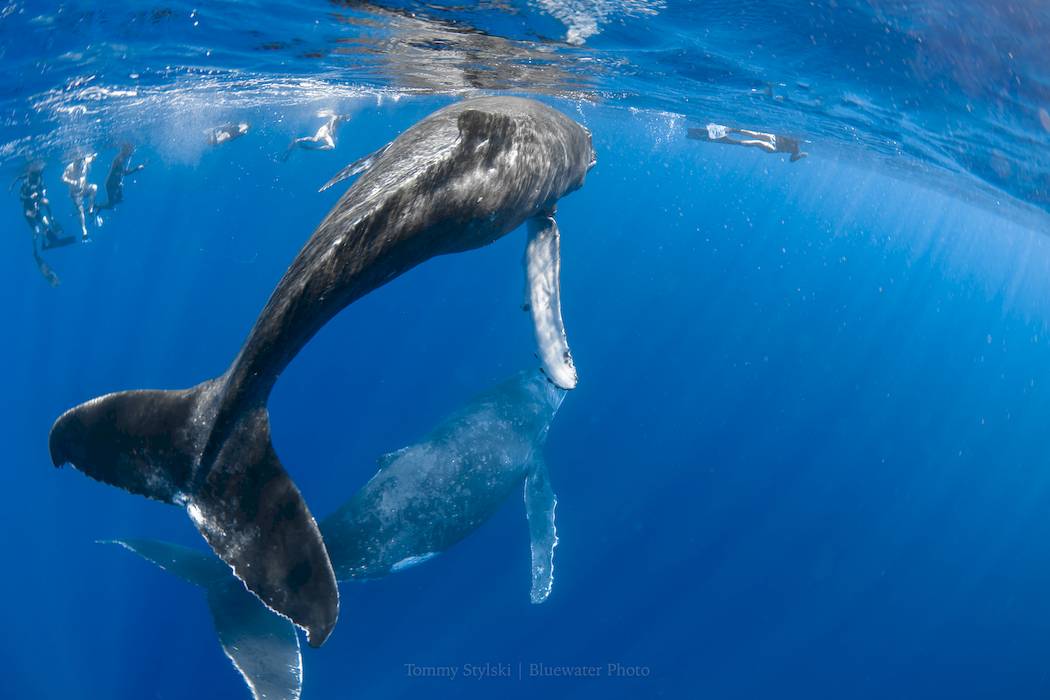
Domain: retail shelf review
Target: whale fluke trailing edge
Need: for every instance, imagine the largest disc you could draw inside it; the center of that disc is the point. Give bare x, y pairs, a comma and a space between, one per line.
247, 508
459, 179
424, 499
262, 646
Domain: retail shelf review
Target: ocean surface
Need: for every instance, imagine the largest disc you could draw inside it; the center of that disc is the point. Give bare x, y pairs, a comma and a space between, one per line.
807, 456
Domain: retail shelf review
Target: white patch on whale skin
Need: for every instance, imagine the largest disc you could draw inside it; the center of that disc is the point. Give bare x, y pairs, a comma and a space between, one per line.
412, 561
542, 269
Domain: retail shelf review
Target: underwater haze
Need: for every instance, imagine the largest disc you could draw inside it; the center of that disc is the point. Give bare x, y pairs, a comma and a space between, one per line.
806, 457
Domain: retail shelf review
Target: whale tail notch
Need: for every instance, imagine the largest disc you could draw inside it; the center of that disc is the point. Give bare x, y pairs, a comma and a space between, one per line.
239, 496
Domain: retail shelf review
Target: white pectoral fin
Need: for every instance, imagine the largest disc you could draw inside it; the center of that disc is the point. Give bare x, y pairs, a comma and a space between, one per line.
357, 167
542, 269
540, 503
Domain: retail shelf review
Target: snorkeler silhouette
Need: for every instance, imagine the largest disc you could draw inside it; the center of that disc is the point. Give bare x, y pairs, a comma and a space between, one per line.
81, 191
771, 143
37, 211
115, 180
227, 132
324, 139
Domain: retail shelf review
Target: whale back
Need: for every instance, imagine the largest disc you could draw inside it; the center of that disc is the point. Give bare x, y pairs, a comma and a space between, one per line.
459, 179
482, 164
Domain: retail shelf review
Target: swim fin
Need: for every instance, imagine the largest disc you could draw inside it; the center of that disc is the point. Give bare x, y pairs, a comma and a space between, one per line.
52, 240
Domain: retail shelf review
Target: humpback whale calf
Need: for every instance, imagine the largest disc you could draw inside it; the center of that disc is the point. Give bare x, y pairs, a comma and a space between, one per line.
429, 496
424, 499
459, 179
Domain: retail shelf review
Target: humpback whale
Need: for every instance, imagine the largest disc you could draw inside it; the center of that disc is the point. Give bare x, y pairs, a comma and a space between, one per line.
424, 499
429, 496
457, 180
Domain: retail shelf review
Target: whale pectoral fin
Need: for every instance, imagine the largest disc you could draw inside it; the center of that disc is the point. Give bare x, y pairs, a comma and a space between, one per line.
542, 270
262, 646
540, 503
356, 168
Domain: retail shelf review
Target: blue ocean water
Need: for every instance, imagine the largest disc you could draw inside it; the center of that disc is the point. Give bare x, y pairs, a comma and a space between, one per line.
806, 457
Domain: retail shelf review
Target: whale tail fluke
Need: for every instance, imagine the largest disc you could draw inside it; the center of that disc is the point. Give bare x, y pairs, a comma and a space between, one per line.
188, 564
253, 516
262, 646
237, 494
141, 441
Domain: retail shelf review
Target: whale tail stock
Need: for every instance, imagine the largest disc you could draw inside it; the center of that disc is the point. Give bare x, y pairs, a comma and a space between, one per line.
169, 446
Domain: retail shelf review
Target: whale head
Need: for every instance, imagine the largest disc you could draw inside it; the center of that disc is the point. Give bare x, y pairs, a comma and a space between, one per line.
543, 151
573, 152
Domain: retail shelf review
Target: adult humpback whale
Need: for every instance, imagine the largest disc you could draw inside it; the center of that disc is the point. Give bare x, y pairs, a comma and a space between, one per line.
424, 499
459, 179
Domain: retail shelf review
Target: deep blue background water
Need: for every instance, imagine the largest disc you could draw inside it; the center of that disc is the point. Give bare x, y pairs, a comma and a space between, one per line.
806, 458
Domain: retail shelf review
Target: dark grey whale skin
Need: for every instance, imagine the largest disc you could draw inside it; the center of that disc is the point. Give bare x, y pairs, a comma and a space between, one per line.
459, 179
424, 499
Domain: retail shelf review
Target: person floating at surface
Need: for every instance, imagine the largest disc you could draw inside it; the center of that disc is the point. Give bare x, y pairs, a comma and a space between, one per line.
771, 143
37, 211
227, 132
324, 139
120, 168
81, 191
